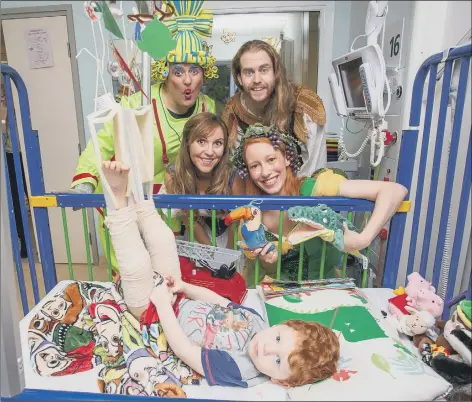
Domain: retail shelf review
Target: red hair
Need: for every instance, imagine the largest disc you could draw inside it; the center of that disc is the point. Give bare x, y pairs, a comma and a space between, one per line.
292, 183
316, 355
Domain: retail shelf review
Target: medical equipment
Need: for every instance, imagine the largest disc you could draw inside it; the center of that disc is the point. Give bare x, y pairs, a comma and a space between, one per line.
357, 86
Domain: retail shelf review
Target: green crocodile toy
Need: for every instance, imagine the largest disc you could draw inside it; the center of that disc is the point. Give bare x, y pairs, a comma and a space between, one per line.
320, 221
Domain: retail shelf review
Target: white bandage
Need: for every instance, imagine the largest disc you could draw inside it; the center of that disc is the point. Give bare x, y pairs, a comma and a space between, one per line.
159, 240
133, 259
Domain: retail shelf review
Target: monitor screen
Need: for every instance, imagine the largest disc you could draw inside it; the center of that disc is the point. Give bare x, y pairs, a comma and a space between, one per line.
352, 84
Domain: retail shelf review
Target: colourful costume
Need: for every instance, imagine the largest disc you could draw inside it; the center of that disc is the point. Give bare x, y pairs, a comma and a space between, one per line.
167, 127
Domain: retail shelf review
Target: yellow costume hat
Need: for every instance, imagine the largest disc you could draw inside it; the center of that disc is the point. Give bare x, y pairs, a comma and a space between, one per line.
189, 25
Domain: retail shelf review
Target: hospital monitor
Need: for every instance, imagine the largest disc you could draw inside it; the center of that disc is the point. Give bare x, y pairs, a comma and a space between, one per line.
359, 77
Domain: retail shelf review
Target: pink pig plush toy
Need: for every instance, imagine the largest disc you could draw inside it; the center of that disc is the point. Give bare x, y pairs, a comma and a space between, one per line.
427, 300
416, 283
418, 294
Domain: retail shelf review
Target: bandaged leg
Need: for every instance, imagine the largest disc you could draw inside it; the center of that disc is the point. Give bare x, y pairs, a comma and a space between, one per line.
159, 240
133, 259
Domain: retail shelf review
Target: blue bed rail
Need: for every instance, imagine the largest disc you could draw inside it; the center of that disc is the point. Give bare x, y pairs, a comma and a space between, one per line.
406, 171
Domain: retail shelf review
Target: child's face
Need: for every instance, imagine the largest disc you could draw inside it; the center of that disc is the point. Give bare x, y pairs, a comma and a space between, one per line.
269, 351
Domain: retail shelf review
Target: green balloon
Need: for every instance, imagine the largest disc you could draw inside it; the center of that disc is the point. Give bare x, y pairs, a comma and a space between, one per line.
156, 40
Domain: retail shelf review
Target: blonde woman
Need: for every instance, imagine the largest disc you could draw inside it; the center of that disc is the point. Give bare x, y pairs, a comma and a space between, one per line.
202, 167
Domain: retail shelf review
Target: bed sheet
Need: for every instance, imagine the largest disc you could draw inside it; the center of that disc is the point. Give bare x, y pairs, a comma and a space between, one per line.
87, 381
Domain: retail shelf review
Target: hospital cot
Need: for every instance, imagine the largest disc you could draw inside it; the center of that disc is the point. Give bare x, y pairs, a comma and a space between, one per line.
444, 272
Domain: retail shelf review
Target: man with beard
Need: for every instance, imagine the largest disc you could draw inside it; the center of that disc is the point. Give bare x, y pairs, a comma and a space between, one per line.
266, 96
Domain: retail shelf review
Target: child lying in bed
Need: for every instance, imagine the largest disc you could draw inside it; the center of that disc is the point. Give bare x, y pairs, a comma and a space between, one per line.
229, 344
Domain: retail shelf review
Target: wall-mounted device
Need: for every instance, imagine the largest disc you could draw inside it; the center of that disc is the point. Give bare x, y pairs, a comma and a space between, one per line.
358, 82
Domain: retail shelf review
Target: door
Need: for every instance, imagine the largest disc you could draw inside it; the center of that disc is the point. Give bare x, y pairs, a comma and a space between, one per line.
285, 31
48, 79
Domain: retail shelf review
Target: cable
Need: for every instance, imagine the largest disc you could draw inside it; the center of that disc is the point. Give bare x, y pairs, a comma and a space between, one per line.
357, 132
344, 153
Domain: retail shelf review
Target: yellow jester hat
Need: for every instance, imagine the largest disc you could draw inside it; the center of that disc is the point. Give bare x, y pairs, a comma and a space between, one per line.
189, 25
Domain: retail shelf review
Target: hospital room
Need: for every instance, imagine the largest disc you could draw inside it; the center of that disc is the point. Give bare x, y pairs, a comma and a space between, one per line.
236, 200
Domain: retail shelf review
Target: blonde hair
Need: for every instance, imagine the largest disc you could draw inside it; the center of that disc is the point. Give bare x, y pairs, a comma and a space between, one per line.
292, 183
184, 179
316, 355
282, 102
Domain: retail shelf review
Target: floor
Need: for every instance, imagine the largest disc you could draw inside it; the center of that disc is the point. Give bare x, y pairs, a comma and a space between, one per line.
100, 273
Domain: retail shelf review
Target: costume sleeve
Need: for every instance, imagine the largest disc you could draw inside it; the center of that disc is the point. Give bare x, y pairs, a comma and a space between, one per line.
221, 369
328, 182
314, 153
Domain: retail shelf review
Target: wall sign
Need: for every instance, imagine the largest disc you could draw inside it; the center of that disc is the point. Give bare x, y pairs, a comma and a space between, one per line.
393, 43
39, 48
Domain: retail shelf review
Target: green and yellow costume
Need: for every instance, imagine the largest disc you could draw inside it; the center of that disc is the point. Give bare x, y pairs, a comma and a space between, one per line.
188, 24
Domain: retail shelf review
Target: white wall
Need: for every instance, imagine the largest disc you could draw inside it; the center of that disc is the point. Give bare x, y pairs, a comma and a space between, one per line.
257, 26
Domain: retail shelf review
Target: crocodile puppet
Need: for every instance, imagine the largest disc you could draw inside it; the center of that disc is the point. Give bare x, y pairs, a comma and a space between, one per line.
320, 221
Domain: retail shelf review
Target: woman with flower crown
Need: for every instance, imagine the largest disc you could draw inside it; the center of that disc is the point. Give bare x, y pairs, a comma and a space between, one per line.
268, 162
176, 97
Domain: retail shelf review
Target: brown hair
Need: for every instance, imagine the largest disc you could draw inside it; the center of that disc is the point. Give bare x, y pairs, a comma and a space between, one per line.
282, 103
316, 355
292, 183
184, 179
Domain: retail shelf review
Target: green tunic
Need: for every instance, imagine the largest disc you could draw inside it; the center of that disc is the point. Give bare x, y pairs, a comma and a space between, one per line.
311, 255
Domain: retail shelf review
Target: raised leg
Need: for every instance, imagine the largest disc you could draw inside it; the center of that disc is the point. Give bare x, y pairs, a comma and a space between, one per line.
133, 259
159, 240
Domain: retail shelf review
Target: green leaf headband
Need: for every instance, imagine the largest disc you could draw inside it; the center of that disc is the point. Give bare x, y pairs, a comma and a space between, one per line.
276, 137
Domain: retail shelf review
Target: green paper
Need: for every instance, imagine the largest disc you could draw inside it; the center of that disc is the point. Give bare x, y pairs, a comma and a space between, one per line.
156, 40
380, 363
109, 20
354, 322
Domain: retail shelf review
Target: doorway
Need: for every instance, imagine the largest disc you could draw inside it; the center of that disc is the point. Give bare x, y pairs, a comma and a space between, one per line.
295, 36
37, 44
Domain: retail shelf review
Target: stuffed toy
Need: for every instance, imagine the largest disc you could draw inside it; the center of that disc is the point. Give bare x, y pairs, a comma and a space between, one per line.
414, 323
251, 231
418, 294
450, 355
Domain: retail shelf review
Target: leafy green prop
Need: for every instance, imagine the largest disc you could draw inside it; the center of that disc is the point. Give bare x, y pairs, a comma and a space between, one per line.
156, 40
109, 19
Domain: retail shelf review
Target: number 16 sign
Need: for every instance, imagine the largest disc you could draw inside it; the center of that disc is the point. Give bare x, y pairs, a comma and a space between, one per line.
393, 43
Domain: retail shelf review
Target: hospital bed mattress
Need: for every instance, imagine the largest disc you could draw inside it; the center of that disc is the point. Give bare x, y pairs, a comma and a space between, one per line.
87, 381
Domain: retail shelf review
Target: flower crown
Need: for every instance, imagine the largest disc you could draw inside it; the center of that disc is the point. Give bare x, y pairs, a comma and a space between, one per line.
276, 137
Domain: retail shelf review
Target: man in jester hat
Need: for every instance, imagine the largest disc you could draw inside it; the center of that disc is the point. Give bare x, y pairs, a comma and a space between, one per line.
175, 96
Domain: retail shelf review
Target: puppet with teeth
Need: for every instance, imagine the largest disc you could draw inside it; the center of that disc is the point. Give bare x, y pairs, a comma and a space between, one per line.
252, 230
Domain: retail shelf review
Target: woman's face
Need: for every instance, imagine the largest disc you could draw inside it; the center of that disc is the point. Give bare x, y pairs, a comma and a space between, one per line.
184, 83
267, 167
206, 152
